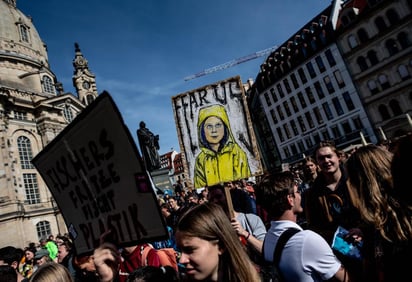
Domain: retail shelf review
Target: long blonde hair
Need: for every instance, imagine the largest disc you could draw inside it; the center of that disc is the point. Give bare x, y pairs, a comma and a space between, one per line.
370, 186
209, 222
51, 272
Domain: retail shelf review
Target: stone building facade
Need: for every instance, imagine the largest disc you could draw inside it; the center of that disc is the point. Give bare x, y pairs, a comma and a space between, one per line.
34, 108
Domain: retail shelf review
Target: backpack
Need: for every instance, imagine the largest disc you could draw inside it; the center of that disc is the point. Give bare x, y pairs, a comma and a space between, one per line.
167, 256
270, 271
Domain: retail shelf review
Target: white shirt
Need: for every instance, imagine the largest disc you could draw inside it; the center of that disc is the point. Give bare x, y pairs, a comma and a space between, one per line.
305, 257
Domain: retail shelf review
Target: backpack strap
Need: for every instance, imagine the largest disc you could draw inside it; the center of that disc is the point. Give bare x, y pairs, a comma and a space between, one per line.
283, 239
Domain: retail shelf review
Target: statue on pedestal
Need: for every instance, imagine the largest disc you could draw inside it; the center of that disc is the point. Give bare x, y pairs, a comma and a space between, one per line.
149, 146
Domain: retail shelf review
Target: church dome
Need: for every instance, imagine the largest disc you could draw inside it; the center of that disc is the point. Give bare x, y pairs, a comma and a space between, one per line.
23, 55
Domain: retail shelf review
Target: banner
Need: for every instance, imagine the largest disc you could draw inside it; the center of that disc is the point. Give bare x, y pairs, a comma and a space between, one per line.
215, 133
97, 177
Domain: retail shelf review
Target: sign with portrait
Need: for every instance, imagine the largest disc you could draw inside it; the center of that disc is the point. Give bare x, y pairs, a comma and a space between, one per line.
215, 133
95, 173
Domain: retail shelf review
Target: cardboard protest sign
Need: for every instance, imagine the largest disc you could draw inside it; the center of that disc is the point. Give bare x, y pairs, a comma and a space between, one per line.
215, 133
95, 173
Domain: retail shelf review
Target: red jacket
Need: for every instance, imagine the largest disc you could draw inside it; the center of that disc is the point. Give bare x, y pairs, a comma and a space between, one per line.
132, 261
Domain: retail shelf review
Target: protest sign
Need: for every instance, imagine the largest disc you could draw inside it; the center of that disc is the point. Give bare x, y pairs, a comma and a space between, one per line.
96, 175
215, 133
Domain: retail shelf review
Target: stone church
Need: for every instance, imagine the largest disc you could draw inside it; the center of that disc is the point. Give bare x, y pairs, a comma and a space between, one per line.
34, 108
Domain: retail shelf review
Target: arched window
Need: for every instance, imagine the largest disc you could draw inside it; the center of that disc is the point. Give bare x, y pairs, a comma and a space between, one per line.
392, 16
403, 72
48, 85
24, 33
352, 41
373, 87
90, 99
404, 40
25, 152
380, 24
31, 188
68, 113
392, 47
363, 35
43, 229
395, 107
373, 59
384, 112
383, 81
362, 63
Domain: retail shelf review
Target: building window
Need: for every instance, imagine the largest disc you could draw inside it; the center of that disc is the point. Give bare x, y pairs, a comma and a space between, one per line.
25, 152
363, 35
280, 113
287, 131
48, 86
380, 24
383, 81
280, 134
327, 111
311, 70
273, 93
325, 135
268, 102
348, 101
319, 90
68, 113
321, 65
31, 187
357, 123
309, 119
383, 110
403, 72
280, 90
392, 16
329, 84
330, 58
392, 47
294, 127
287, 109
346, 128
404, 40
373, 59
339, 79
308, 142
301, 124
338, 106
89, 99
310, 96
395, 107
318, 115
20, 115
302, 100
302, 75
43, 229
273, 115
373, 88
335, 131
361, 61
294, 104
294, 81
286, 152
352, 41
287, 86
24, 33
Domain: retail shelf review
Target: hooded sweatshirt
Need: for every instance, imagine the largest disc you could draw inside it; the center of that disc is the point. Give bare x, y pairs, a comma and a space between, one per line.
228, 163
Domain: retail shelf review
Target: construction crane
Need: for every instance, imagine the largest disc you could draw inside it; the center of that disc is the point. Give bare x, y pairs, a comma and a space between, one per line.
232, 63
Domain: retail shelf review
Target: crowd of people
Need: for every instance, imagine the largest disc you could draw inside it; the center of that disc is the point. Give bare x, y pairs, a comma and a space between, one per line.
336, 203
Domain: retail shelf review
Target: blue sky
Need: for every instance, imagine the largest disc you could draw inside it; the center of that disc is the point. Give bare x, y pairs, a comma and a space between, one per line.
141, 51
